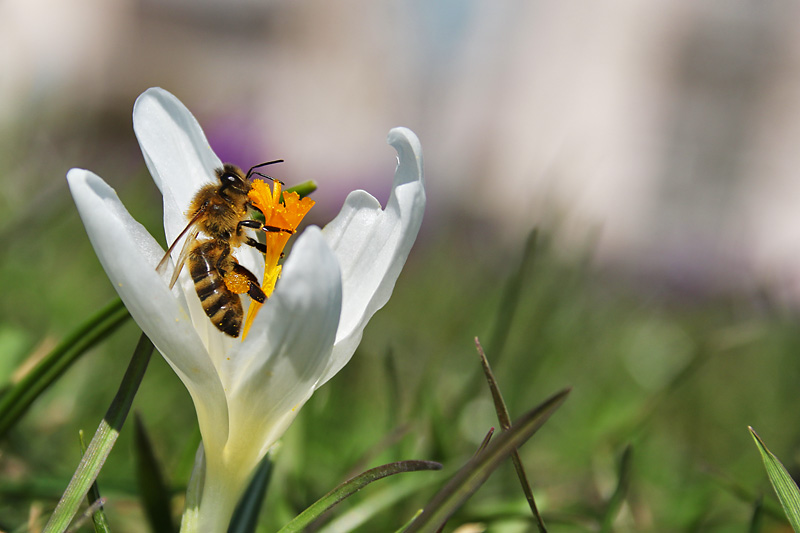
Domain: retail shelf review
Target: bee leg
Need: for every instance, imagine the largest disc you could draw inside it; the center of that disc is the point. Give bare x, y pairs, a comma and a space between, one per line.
260, 246
224, 259
276, 229
254, 291
258, 225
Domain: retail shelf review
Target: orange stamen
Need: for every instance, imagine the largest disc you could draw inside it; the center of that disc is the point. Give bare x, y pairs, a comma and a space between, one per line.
286, 215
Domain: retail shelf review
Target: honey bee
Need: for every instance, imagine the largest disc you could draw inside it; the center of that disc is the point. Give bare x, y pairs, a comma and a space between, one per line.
220, 211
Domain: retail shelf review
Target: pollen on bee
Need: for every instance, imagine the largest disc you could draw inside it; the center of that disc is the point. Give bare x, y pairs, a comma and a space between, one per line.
236, 283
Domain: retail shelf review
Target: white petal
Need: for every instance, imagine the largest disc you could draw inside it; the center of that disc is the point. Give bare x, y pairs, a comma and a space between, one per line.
129, 255
275, 369
372, 245
181, 161
176, 151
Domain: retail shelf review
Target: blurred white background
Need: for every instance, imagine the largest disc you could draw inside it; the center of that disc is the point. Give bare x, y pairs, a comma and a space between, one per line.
663, 131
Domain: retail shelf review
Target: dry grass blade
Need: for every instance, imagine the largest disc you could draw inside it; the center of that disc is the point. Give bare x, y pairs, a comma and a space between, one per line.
477, 470
505, 425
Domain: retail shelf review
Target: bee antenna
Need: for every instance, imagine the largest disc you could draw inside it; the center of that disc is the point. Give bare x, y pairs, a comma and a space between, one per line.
250, 172
268, 177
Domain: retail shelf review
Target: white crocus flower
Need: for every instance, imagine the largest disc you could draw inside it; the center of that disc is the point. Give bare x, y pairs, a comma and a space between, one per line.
246, 393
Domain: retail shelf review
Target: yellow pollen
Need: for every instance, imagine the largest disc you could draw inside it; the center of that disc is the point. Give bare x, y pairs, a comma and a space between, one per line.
236, 283
287, 215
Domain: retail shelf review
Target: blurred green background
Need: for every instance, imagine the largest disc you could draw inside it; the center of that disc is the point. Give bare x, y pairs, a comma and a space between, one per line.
651, 145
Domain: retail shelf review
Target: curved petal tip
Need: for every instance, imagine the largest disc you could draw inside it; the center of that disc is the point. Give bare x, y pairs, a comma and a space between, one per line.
409, 155
91, 193
79, 176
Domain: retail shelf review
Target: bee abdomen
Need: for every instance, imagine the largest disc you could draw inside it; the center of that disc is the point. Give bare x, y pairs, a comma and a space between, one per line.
222, 306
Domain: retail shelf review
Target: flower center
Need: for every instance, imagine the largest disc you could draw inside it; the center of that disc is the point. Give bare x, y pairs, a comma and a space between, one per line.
286, 214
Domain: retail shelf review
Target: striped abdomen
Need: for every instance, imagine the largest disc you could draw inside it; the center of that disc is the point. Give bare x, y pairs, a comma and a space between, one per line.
222, 306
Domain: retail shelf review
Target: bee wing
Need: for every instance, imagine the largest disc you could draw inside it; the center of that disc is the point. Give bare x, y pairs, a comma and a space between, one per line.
193, 231
187, 246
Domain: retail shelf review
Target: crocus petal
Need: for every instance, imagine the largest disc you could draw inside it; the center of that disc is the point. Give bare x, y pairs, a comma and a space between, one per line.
270, 375
129, 255
176, 151
181, 161
372, 245
273, 373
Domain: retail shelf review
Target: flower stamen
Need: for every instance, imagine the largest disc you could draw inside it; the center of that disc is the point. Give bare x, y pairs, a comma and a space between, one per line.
286, 214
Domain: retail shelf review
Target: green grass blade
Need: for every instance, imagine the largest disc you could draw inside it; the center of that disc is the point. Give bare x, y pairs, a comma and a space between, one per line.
477, 470
507, 309
103, 440
245, 517
351, 486
782, 482
618, 497
757, 518
407, 524
93, 499
87, 515
379, 501
510, 300
99, 516
16, 401
153, 490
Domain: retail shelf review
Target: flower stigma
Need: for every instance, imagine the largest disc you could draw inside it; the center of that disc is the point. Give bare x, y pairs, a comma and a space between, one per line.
286, 214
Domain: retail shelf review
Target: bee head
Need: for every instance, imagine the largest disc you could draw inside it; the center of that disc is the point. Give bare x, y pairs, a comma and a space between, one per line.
231, 178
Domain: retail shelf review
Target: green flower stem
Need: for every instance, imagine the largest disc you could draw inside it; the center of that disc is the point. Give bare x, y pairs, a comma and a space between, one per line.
303, 189
103, 440
19, 398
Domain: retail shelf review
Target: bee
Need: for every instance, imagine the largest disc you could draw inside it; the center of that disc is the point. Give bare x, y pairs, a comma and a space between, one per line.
220, 212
